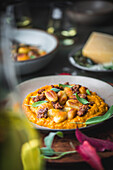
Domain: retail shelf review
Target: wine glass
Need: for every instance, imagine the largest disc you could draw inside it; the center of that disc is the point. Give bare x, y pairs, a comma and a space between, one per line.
19, 142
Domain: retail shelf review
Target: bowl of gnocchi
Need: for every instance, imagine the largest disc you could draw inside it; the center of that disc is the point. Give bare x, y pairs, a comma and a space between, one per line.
32, 50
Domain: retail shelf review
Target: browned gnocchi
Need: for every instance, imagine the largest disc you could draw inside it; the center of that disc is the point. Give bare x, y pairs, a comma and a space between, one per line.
57, 106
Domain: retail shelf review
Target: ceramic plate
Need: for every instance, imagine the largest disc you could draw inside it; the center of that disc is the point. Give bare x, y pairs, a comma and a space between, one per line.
103, 89
96, 68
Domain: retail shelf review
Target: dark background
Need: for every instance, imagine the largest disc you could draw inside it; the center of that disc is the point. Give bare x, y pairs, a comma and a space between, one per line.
4, 3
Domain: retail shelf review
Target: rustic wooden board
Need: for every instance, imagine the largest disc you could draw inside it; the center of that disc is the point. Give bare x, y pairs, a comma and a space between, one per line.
63, 144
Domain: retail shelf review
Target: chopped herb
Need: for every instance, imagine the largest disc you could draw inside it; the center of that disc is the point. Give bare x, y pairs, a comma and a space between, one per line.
65, 85
32, 56
55, 89
81, 100
38, 103
88, 92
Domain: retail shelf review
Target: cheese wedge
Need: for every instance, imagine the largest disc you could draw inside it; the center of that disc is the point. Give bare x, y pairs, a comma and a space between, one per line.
99, 48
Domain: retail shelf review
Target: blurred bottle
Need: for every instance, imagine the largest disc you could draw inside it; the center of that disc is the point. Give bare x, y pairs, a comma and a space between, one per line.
59, 23
19, 142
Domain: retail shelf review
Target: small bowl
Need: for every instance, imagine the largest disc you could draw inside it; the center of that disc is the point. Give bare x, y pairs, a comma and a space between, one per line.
91, 12
35, 37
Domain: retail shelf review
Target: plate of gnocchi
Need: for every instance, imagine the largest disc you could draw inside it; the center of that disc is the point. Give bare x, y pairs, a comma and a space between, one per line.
65, 102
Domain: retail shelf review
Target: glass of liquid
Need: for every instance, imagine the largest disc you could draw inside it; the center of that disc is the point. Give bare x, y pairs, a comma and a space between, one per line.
60, 25
22, 15
19, 141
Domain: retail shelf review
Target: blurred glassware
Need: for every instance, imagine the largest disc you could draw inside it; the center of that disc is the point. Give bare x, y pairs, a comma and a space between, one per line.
91, 13
59, 23
15, 130
22, 15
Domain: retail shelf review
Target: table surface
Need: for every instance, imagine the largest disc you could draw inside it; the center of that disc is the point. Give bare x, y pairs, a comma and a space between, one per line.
61, 64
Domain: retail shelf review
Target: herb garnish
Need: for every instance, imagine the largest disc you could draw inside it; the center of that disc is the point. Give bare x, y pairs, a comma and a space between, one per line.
81, 100
98, 119
37, 103
88, 92
102, 118
47, 151
27, 104
65, 85
32, 56
33, 96
61, 154
108, 67
55, 89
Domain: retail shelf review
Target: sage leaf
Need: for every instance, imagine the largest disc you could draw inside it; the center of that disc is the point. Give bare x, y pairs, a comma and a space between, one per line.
81, 100
32, 96
88, 92
65, 85
47, 151
102, 118
55, 89
38, 103
60, 155
49, 139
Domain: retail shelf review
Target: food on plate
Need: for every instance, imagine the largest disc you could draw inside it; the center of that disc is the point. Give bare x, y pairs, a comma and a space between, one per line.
99, 48
58, 106
82, 60
97, 53
21, 52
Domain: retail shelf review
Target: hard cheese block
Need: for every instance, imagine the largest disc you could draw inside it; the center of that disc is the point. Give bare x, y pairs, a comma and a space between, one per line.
99, 48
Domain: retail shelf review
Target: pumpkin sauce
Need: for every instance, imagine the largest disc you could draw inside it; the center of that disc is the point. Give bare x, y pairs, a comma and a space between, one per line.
57, 106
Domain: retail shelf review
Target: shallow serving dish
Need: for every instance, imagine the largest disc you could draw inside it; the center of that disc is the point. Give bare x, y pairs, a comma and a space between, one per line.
94, 68
35, 37
103, 89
